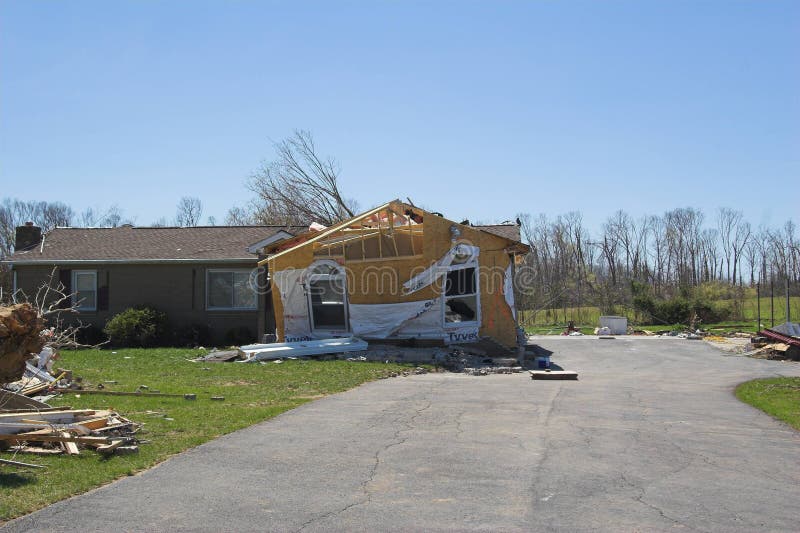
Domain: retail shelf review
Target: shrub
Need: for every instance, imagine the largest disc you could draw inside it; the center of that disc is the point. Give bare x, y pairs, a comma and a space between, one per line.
137, 327
239, 336
90, 335
194, 335
711, 312
673, 311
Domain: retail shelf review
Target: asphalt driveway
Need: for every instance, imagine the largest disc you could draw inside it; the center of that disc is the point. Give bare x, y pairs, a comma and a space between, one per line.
650, 439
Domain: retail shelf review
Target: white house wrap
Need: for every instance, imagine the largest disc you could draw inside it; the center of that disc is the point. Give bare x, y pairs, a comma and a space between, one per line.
295, 304
379, 321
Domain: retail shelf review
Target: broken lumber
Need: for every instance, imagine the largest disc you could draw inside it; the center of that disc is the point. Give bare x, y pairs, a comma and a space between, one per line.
63, 416
35, 450
20, 438
109, 448
70, 447
188, 396
20, 464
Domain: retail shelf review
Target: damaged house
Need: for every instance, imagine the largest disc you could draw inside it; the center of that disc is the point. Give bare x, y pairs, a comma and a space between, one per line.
397, 272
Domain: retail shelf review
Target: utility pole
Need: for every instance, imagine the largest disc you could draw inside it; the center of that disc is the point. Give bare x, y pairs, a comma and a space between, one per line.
758, 306
772, 301
787, 297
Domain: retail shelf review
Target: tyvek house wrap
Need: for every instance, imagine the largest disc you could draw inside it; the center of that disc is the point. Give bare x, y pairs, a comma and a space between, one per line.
296, 324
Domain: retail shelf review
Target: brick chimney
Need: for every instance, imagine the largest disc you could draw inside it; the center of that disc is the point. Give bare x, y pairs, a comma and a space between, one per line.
27, 236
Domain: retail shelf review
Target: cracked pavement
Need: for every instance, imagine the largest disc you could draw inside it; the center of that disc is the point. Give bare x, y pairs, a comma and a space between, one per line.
650, 439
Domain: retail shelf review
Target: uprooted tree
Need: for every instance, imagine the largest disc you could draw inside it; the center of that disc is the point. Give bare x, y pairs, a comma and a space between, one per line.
298, 187
27, 327
20, 337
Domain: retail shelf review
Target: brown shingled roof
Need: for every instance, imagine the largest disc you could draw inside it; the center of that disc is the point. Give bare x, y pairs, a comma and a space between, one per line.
126, 243
507, 231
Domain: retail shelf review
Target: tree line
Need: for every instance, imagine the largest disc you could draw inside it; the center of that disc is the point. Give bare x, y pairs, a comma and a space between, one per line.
681, 255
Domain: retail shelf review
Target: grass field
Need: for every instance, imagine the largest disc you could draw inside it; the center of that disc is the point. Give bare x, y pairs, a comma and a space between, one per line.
253, 392
587, 317
778, 397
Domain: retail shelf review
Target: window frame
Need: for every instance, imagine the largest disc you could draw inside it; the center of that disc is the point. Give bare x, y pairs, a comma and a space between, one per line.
313, 276
477, 294
74, 289
232, 271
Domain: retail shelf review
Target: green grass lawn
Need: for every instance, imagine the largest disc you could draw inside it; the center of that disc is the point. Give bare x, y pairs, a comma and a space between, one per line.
778, 397
253, 392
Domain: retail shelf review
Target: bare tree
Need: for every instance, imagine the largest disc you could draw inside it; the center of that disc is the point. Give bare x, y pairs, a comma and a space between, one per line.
94, 217
46, 215
190, 209
299, 186
741, 237
239, 216
53, 303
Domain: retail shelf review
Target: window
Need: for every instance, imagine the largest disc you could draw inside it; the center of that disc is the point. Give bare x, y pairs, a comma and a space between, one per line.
326, 296
84, 290
461, 295
229, 289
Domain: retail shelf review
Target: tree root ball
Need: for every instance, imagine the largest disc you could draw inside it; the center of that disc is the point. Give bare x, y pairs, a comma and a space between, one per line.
20, 339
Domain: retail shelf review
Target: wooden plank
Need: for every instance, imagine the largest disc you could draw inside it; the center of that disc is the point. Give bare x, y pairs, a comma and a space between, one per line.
70, 447
30, 391
381, 260
109, 448
94, 423
20, 438
35, 450
34, 410
122, 393
45, 431
20, 464
363, 248
48, 415
129, 425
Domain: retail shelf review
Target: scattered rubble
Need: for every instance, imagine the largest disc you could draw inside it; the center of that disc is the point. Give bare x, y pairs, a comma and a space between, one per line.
222, 356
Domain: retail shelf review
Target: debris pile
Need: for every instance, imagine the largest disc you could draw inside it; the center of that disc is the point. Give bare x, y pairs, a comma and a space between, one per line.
27, 381
59, 430
774, 344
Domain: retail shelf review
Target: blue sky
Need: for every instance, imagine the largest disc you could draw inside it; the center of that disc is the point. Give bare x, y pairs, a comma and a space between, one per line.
479, 110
